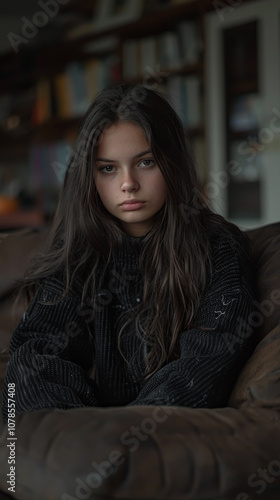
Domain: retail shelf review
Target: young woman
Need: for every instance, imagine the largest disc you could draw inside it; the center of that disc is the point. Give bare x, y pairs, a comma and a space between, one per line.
144, 294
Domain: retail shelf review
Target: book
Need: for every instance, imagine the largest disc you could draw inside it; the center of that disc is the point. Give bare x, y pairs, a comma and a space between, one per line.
184, 95
149, 52
169, 51
42, 106
76, 80
192, 96
130, 57
190, 42
92, 78
63, 95
174, 93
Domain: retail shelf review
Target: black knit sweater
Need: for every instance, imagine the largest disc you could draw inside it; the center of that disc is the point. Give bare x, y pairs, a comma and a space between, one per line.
54, 347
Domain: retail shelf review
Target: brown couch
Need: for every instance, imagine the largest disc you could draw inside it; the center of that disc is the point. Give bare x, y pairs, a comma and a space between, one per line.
151, 453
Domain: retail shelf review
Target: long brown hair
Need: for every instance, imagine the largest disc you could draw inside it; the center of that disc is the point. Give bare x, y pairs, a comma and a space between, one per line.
176, 252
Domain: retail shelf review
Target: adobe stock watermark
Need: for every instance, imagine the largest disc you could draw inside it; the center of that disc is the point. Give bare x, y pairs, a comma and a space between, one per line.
245, 328
253, 145
131, 439
260, 479
249, 148
40, 18
154, 77
223, 8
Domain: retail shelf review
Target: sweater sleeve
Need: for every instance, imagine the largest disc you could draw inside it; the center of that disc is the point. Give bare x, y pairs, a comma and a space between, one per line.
50, 354
213, 352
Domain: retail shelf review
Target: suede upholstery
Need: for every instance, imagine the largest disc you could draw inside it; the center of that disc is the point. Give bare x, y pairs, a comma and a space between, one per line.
151, 453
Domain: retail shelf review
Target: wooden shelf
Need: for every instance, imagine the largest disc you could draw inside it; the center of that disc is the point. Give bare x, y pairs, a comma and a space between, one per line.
51, 130
55, 128
190, 69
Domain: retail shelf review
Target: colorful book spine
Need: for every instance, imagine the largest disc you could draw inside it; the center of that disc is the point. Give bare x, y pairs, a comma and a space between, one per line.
42, 107
63, 95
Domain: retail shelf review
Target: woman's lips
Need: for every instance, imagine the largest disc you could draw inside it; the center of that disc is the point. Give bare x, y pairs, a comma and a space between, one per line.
132, 205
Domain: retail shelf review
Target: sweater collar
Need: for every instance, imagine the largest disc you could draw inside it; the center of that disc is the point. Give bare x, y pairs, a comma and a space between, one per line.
128, 253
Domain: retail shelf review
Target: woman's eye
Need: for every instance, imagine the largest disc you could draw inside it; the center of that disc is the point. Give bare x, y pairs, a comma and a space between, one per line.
147, 163
106, 169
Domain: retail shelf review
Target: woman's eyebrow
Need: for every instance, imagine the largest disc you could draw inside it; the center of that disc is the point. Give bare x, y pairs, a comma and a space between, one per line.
143, 153
106, 159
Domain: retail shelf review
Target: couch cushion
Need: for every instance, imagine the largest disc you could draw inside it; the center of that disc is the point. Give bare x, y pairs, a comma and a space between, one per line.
266, 253
259, 382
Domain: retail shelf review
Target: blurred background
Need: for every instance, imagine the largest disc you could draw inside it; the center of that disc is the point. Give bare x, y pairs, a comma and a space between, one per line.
217, 61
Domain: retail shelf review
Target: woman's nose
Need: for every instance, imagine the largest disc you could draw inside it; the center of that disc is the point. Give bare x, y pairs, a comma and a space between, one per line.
129, 182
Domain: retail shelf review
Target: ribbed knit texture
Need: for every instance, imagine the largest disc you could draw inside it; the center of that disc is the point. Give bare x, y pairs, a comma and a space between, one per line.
54, 347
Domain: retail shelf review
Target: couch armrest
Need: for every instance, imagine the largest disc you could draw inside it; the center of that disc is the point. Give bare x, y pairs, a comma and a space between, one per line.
145, 453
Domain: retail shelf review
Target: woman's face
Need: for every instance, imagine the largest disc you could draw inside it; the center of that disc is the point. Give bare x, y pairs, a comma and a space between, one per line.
128, 180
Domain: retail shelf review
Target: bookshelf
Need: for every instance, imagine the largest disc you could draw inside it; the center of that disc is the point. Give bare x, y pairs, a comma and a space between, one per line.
243, 97
46, 88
